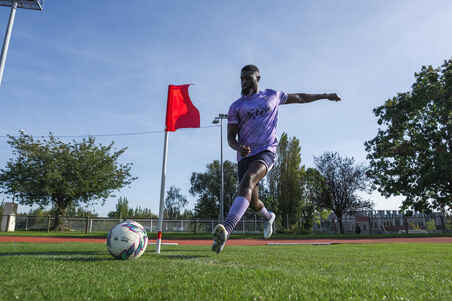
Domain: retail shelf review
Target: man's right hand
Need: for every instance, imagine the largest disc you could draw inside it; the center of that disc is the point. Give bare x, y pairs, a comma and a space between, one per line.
244, 150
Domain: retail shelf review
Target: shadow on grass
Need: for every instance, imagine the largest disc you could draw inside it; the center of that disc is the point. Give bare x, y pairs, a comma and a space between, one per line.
57, 253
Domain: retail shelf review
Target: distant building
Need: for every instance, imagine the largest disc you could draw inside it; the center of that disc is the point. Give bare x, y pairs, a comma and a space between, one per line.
379, 221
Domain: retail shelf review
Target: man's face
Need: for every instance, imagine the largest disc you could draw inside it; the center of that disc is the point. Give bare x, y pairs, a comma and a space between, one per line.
249, 81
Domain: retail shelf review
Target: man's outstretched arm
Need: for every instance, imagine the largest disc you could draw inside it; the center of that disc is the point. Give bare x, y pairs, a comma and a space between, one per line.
305, 98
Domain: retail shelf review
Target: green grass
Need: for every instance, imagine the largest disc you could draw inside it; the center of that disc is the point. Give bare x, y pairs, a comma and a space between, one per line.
189, 235
55, 234
85, 271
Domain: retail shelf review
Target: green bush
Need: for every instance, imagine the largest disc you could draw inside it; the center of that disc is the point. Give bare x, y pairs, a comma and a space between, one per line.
414, 226
430, 225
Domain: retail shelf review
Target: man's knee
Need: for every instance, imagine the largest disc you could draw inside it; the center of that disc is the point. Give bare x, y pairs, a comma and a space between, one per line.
249, 181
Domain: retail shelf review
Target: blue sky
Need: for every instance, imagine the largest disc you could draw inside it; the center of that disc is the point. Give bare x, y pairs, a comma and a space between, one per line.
82, 68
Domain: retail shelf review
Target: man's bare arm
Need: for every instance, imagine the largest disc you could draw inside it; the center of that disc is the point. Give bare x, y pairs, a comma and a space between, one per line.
233, 130
305, 98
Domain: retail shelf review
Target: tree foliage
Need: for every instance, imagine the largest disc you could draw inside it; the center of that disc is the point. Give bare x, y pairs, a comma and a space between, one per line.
174, 203
123, 211
51, 172
286, 184
340, 182
412, 152
286, 179
71, 211
312, 183
206, 186
80, 211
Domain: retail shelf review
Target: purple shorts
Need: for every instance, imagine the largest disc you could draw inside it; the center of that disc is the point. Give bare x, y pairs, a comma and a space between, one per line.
266, 157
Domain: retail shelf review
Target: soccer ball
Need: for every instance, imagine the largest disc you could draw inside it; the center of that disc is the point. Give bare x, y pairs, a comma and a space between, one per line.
127, 240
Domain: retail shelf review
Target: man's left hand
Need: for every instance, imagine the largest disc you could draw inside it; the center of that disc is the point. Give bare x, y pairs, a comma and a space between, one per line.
333, 97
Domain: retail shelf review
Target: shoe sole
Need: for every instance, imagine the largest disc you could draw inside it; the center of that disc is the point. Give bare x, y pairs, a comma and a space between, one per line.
219, 242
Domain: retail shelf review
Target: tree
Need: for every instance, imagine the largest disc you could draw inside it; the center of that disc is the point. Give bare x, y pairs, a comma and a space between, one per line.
341, 180
312, 188
49, 171
187, 214
207, 188
285, 185
290, 201
174, 203
143, 213
79, 211
38, 212
412, 152
122, 209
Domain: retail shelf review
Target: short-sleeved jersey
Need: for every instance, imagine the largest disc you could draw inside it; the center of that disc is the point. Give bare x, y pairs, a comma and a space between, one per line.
257, 118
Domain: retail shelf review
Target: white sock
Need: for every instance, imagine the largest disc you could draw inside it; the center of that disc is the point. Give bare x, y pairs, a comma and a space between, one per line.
264, 213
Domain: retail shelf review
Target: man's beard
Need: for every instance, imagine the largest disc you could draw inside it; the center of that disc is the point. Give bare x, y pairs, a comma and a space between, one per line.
249, 90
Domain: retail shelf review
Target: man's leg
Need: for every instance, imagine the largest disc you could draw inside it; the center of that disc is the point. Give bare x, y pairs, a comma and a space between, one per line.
256, 204
260, 209
256, 171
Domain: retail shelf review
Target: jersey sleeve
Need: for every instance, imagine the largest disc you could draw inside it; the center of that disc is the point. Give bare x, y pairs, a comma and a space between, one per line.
282, 96
233, 115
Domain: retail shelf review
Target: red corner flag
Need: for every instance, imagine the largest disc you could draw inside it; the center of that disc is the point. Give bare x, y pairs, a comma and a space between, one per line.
180, 112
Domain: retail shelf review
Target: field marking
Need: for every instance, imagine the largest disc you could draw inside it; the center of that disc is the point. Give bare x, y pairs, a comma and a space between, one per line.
165, 243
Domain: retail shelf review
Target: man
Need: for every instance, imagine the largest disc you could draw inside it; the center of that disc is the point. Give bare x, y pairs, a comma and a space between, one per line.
253, 119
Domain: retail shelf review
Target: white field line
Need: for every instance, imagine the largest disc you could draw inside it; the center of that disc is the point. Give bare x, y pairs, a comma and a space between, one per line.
165, 243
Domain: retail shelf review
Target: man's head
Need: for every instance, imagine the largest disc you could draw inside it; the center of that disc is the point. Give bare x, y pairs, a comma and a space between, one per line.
249, 78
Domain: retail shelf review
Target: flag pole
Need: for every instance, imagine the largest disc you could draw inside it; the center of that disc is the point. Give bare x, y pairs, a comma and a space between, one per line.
162, 194
7, 39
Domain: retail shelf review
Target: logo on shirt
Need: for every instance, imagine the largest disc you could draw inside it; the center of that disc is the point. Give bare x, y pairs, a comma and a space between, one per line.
253, 114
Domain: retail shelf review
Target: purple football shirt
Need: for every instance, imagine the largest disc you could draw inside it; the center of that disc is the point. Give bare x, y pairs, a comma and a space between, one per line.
257, 117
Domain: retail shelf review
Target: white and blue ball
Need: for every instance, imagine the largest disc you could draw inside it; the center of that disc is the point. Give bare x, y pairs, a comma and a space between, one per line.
127, 240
